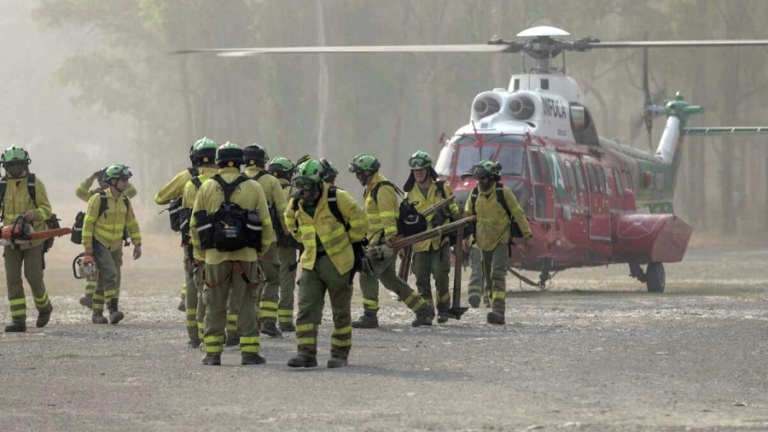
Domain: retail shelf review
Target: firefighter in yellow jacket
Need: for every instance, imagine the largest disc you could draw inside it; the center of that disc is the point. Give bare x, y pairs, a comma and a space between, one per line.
493, 233
173, 190
103, 241
84, 192
431, 258
287, 246
331, 226
205, 156
224, 223
381, 208
18, 186
255, 167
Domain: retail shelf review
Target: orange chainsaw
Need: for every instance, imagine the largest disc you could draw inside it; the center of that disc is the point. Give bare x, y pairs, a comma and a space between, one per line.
22, 232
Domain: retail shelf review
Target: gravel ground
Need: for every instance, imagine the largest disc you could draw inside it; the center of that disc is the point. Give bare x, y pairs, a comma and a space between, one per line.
595, 352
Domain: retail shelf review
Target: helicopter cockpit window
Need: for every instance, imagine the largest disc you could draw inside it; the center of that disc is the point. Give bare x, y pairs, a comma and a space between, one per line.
600, 174
617, 181
470, 155
579, 174
444, 163
570, 178
591, 177
536, 175
511, 160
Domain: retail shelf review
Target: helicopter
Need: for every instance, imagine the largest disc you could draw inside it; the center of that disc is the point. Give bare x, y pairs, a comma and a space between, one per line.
582, 193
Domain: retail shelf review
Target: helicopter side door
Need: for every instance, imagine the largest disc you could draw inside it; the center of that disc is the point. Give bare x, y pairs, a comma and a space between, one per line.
599, 202
541, 180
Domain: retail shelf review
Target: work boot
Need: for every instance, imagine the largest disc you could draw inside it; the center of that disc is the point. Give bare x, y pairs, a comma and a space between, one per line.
212, 360
367, 321
194, 343
182, 304
424, 317
252, 359
301, 361
43, 316
233, 339
115, 316
287, 327
474, 301
336, 362
270, 329
495, 318
17, 325
98, 318
87, 301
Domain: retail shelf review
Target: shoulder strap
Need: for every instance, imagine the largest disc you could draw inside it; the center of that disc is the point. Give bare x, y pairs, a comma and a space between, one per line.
441, 188
196, 181
503, 201
260, 174
229, 188
193, 171
287, 185
102, 202
31, 188
333, 205
473, 198
375, 190
3, 188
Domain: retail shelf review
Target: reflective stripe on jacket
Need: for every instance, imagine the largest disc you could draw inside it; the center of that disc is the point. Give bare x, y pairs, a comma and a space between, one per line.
382, 213
107, 229
492, 226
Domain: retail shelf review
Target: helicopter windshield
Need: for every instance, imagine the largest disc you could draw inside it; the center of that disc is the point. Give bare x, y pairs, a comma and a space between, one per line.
465, 152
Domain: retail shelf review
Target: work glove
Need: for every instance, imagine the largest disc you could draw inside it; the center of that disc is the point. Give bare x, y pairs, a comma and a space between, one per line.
382, 252
366, 266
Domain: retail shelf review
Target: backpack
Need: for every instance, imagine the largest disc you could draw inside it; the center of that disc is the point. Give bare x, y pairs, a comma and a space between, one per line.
231, 227
514, 228
333, 206
77, 229
50, 223
409, 220
273, 215
174, 207
185, 215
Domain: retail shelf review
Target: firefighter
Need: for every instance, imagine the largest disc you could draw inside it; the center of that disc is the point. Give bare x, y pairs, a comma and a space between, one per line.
381, 208
283, 169
431, 258
331, 226
492, 233
18, 185
205, 156
107, 215
232, 246
84, 192
255, 162
173, 190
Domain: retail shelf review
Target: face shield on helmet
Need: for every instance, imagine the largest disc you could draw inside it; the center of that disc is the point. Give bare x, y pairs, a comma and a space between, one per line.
309, 179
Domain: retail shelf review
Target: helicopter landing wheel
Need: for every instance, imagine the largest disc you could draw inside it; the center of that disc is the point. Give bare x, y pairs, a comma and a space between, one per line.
655, 277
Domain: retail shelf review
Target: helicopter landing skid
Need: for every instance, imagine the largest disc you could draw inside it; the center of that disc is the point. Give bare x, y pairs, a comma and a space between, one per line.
543, 278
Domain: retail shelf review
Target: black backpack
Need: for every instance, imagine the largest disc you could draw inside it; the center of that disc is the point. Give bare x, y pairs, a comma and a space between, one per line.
409, 220
231, 227
185, 214
514, 228
77, 229
51, 223
174, 207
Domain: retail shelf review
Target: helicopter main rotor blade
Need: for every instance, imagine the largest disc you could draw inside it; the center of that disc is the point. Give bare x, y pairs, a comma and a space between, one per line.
678, 44
245, 52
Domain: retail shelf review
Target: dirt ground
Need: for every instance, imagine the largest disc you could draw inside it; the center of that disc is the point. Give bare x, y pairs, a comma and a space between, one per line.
595, 352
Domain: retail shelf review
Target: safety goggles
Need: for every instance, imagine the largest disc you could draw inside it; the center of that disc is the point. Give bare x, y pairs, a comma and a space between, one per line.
125, 173
304, 184
418, 163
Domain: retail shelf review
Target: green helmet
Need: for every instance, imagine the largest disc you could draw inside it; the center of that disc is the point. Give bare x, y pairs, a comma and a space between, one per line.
229, 154
364, 162
255, 154
486, 168
309, 174
280, 164
15, 154
205, 151
117, 171
420, 160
